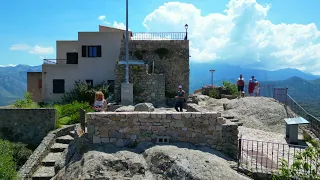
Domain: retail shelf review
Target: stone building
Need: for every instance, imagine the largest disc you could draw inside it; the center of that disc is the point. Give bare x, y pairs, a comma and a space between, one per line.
166, 66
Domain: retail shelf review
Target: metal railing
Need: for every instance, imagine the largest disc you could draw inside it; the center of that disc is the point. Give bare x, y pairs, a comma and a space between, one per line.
266, 90
260, 156
158, 36
298, 110
54, 61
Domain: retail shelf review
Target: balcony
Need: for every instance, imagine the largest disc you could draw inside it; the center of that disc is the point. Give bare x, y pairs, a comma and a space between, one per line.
159, 36
72, 58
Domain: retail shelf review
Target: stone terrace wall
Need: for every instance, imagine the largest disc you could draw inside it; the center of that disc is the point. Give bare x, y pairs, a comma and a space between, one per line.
122, 129
146, 87
29, 126
171, 58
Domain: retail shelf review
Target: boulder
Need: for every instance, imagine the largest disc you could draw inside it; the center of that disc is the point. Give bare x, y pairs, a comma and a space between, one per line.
125, 109
144, 107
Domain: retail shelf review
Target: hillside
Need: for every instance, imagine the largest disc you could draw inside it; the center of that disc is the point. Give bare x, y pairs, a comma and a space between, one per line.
14, 82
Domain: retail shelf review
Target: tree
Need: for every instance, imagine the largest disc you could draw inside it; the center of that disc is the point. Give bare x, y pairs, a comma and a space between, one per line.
306, 165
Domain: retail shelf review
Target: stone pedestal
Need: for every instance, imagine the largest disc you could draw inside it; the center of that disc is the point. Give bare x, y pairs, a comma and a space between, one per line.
127, 94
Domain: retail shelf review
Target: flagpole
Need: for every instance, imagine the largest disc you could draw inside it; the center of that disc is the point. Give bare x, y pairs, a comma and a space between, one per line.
127, 44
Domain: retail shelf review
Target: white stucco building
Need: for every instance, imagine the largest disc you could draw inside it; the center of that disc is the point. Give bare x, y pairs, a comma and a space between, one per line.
92, 58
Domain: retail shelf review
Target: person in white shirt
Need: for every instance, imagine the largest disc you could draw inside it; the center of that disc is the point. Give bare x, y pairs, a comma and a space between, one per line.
100, 104
256, 89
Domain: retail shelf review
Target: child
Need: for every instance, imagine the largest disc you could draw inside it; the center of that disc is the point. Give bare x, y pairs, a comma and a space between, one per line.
100, 104
256, 88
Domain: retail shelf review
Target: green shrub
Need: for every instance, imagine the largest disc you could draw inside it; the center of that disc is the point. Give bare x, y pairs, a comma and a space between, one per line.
7, 164
69, 113
306, 165
26, 102
82, 92
213, 93
232, 89
12, 157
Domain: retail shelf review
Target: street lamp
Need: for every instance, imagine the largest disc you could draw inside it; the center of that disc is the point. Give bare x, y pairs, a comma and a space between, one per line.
186, 27
212, 71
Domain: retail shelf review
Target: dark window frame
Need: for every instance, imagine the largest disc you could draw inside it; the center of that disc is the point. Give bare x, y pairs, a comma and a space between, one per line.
57, 90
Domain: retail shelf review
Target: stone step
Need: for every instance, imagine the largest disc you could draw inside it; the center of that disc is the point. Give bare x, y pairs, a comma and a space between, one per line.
43, 173
72, 133
58, 147
234, 120
51, 158
239, 123
64, 139
228, 117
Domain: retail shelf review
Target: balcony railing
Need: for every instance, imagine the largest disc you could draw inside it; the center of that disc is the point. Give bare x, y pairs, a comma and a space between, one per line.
58, 61
158, 36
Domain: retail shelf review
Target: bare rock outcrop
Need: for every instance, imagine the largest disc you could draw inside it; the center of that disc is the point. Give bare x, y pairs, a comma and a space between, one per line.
155, 163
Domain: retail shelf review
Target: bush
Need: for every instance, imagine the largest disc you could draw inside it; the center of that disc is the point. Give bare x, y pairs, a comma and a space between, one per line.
12, 157
306, 165
82, 92
213, 93
26, 102
231, 88
69, 113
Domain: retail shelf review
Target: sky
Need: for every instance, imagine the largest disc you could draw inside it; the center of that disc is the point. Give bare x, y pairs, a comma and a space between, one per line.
265, 34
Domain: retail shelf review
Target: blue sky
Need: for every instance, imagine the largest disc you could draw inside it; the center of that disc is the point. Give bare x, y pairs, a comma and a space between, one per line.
247, 31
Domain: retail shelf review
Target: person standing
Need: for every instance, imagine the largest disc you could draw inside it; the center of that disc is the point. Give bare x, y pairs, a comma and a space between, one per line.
100, 104
240, 84
251, 85
179, 99
256, 89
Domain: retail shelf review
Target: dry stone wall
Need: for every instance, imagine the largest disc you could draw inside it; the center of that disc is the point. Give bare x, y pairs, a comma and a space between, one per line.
29, 126
127, 128
170, 58
146, 87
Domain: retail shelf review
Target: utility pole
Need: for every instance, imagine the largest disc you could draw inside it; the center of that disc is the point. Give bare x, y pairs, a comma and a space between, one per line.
212, 71
127, 43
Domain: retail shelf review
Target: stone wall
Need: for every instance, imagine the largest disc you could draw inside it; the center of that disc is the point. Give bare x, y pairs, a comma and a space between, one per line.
146, 87
125, 128
170, 57
29, 126
34, 161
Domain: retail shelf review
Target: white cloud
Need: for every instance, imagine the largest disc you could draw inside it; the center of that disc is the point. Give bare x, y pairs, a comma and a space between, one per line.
32, 50
101, 18
9, 65
242, 35
119, 25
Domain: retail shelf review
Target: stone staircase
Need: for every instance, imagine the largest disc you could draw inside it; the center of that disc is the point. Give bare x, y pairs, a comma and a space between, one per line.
47, 168
231, 118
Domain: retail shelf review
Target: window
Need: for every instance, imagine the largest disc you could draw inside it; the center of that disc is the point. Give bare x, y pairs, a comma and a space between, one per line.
72, 58
94, 51
91, 51
58, 86
90, 82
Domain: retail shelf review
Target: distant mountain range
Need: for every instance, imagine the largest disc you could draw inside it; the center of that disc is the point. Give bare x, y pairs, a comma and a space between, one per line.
303, 87
13, 82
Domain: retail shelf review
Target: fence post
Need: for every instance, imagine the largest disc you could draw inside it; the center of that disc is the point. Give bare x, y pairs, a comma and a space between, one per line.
239, 151
82, 119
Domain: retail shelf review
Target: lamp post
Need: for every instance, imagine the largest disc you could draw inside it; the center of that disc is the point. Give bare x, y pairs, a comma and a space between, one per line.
186, 27
127, 44
212, 71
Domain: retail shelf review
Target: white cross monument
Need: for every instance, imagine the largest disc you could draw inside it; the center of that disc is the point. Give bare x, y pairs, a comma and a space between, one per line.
127, 87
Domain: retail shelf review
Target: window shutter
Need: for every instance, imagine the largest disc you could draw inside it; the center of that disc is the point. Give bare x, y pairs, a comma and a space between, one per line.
98, 51
84, 51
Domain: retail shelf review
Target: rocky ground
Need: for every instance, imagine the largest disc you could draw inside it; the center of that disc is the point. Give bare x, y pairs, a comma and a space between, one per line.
255, 112
176, 162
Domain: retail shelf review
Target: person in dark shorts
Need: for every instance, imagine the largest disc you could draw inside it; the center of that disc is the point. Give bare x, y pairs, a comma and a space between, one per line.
240, 84
179, 99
